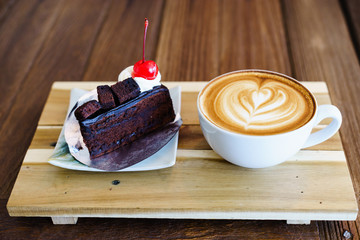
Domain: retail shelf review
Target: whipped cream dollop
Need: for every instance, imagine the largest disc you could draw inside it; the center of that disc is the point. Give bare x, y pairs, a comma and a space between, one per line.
143, 83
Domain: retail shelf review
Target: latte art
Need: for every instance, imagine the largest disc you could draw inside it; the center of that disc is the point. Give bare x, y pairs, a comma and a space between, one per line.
256, 103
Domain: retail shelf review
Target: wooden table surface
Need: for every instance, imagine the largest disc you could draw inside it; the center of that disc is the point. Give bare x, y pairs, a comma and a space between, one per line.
42, 41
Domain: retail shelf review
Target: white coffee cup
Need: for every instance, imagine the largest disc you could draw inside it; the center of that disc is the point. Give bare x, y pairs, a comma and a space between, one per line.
254, 151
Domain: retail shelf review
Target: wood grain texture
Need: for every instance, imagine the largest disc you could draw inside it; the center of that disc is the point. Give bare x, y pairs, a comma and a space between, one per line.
210, 42
183, 191
45, 137
67, 63
252, 36
322, 50
5, 9
25, 38
351, 12
119, 45
189, 42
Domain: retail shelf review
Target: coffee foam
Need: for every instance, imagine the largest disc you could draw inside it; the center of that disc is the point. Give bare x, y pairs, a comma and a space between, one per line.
256, 103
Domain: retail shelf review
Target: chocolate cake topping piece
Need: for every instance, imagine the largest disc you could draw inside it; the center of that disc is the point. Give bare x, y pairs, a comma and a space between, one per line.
87, 110
125, 90
106, 97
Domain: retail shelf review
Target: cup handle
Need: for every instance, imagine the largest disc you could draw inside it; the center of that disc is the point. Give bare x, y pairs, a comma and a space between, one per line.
325, 111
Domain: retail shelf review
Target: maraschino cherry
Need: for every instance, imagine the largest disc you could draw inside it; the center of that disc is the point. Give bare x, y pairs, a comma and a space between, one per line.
145, 69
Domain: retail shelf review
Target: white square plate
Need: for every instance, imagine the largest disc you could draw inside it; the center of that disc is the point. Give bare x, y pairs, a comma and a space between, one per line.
165, 157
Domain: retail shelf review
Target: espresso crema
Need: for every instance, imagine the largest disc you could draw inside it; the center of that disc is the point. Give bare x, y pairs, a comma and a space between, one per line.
256, 103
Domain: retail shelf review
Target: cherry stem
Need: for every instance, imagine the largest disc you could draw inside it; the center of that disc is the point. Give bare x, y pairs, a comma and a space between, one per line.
145, 31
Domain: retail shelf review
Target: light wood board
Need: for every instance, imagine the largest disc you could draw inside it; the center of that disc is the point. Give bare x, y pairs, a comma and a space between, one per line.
313, 185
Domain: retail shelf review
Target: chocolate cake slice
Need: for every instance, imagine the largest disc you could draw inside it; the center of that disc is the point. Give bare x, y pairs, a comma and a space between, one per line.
106, 97
128, 122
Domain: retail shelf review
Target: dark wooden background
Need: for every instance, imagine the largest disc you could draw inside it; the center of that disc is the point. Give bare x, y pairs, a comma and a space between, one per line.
42, 41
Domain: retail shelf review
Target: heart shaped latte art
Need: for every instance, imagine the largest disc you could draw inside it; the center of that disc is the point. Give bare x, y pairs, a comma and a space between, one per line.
257, 105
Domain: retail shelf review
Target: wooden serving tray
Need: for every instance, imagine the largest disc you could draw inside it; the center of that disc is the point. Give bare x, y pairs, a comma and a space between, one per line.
313, 185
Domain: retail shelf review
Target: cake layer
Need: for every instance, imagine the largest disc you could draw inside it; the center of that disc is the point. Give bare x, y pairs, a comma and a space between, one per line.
124, 124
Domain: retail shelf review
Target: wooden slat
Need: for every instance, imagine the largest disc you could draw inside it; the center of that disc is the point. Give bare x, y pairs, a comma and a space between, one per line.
252, 36
107, 228
119, 43
320, 54
41, 156
61, 58
45, 137
190, 137
234, 191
